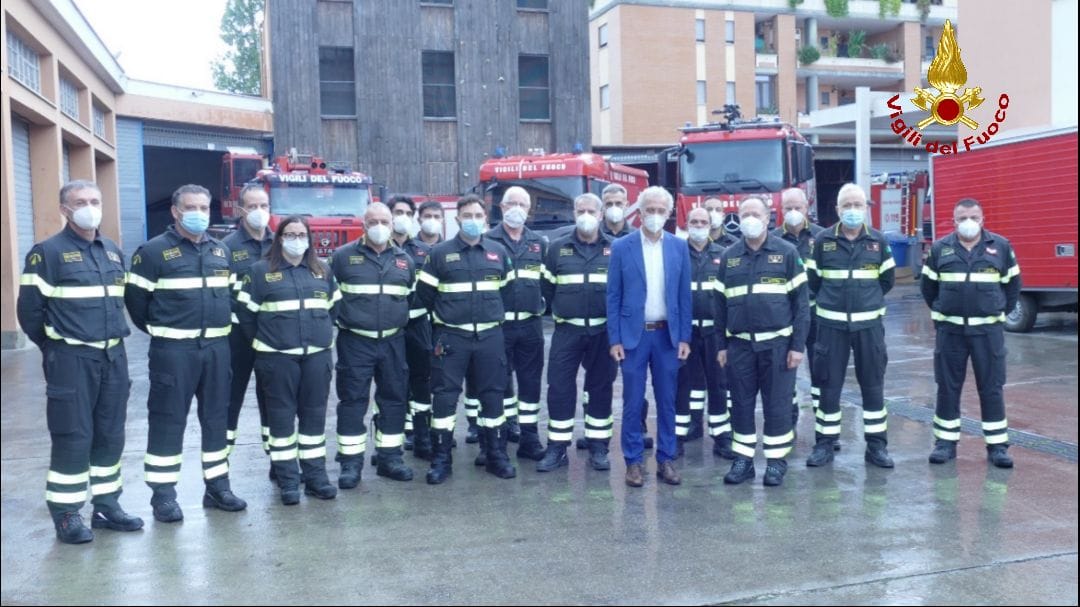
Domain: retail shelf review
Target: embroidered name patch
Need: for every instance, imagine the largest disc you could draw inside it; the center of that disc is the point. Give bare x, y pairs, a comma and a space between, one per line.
356, 259
776, 259
828, 246
171, 254
273, 277
569, 251
734, 262
453, 257
72, 256
240, 255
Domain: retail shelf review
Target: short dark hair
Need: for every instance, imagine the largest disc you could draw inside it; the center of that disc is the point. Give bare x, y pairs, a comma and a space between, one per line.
190, 188
468, 199
250, 187
431, 204
967, 203
77, 184
401, 199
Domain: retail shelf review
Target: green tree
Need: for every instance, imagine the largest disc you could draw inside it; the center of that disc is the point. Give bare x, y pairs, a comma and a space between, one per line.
237, 69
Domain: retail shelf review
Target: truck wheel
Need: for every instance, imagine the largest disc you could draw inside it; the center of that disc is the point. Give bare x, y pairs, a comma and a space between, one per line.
1022, 317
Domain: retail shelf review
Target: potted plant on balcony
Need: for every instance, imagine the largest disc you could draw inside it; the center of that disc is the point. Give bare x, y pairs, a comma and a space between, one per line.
809, 54
856, 42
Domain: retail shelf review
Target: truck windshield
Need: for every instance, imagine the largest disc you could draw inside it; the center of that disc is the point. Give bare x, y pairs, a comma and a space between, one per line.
733, 167
552, 200
318, 200
244, 170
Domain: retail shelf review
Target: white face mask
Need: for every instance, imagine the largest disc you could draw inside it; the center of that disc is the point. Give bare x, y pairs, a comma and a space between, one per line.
431, 226
587, 224
795, 218
716, 220
402, 224
699, 235
968, 229
87, 217
515, 217
257, 219
655, 223
296, 248
751, 227
614, 214
378, 234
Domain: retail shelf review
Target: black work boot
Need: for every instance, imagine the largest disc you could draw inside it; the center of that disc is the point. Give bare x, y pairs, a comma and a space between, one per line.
742, 470
497, 462
999, 456
696, 431
290, 494
115, 518
316, 481
70, 529
581, 443
481, 456
775, 470
167, 511
877, 454
822, 454
422, 435
442, 460
554, 457
392, 466
513, 429
530, 446
944, 450
598, 454
722, 446
472, 435
219, 495
409, 440
351, 468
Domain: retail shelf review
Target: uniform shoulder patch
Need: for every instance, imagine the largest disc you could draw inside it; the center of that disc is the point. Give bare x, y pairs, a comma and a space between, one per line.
776, 258
401, 264
273, 277
991, 250
34, 260
492, 256
828, 246
171, 254
72, 256
534, 247
218, 252
874, 246
320, 295
240, 255
136, 260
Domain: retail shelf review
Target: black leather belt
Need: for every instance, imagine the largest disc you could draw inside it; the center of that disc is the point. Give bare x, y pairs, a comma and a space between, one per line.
653, 326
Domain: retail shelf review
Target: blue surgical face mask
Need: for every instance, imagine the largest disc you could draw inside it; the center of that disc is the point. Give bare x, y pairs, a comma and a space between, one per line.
472, 228
853, 218
195, 222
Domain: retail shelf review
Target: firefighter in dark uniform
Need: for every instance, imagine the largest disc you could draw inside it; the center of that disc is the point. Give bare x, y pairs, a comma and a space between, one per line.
71, 306
575, 282
178, 291
717, 234
852, 270
462, 283
701, 377
417, 334
523, 328
375, 278
798, 230
289, 300
971, 280
247, 245
763, 306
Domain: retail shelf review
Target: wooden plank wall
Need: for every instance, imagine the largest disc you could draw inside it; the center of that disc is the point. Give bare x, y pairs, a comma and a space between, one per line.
294, 64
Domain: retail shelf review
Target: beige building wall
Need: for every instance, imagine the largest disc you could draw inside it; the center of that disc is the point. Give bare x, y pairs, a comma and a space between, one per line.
92, 156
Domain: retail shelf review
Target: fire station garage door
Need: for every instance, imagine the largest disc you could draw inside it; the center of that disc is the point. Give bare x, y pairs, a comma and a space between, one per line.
24, 195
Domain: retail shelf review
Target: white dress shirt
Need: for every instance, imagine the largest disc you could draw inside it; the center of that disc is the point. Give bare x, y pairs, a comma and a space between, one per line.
655, 306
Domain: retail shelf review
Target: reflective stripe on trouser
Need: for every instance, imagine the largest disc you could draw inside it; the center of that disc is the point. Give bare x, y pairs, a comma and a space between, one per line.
478, 359
987, 353
748, 373
297, 388
86, 395
418, 359
572, 348
700, 378
524, 341
242, 361
832, 350
362, 360
180, 371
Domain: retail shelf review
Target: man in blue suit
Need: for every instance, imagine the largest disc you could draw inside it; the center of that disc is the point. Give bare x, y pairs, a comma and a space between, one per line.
649, 315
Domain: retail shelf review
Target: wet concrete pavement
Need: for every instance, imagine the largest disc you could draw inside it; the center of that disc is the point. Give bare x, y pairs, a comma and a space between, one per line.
960, 533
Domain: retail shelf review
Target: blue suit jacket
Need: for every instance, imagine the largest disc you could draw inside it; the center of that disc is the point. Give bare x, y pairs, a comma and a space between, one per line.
626, 291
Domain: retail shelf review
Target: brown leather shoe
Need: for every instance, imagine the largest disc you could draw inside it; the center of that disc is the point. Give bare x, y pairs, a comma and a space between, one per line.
667, 473
635, 475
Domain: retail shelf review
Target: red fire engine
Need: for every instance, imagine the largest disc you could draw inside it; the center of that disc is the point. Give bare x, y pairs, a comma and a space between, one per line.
553, 181
332, 198
1027, 186
733, 160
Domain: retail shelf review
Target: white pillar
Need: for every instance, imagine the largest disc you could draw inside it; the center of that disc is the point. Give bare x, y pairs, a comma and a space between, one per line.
862, 138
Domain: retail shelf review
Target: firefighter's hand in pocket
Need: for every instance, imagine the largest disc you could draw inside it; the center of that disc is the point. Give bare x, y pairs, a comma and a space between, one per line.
794, 359
721, 358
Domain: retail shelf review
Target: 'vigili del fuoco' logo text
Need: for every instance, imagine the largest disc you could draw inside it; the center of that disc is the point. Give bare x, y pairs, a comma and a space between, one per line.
948, 75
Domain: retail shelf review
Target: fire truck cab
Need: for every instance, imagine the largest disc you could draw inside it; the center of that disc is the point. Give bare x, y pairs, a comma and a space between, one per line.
733, 160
